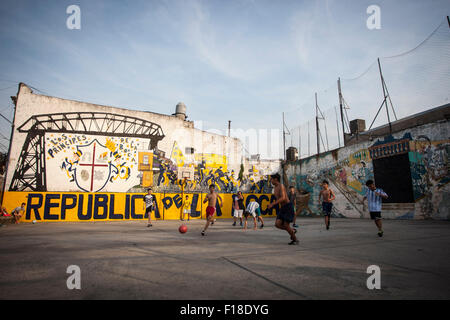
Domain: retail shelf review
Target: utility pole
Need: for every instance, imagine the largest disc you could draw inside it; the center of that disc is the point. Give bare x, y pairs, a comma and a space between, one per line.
384, 96
337, 127
309, 149
229, 127
299, 144
284, 141
448, 20
317, 126
341, 106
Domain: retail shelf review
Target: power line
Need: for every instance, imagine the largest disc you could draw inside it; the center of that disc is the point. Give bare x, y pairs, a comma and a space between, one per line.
1, 89
5, 118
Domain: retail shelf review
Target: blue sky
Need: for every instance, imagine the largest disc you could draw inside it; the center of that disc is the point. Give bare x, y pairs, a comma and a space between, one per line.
244, 61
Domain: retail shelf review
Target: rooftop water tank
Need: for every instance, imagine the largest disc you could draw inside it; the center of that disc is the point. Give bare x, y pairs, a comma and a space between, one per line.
180, 111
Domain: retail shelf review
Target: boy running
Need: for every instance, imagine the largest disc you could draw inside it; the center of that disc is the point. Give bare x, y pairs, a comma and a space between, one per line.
327, 196
211, 198
186, 208
149, 205
286, 214
373, 196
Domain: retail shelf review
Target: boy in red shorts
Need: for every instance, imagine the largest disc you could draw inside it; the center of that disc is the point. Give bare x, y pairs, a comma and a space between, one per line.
211, 198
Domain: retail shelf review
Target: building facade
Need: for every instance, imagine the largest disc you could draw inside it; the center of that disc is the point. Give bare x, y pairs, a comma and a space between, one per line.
410, 164
73, 161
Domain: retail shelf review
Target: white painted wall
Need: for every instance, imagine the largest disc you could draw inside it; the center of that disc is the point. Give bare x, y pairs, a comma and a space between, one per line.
175, 129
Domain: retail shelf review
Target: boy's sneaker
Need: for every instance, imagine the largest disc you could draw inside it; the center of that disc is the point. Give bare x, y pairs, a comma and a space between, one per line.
295, 225
203, 232
293, 242
262, 226
149, 225
380, 233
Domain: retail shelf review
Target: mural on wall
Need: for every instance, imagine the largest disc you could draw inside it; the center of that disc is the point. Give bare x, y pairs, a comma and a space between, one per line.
103, 152
348, 176
92, 163
430, 175
198, 171
100, 206
82, 151
427, 171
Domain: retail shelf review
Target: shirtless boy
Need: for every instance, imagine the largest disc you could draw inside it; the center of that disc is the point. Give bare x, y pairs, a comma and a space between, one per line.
286, 214
211, 198
327, 196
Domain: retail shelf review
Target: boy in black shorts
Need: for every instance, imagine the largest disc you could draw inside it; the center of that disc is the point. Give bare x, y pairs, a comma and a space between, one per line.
327, 196
374, 198
286, 213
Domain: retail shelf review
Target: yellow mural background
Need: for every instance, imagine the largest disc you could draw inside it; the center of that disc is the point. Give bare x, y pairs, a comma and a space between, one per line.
12, 200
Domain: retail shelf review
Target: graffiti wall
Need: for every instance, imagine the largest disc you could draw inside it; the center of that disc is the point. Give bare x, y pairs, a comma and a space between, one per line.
86, 206
430, 176
411, 166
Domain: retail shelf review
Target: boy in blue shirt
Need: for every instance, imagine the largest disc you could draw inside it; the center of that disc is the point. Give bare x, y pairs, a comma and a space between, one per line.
374, 197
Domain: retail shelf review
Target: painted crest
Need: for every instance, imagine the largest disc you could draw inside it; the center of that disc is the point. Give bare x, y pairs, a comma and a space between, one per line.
90, 167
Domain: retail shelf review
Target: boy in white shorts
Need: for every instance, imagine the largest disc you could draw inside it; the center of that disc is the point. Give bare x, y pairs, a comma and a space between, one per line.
238, 207
186, 208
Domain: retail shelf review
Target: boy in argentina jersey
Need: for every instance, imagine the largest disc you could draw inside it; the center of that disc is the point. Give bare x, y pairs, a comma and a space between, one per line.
374, 198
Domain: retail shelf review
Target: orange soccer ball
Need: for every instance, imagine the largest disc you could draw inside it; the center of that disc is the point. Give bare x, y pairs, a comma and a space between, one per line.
182, 229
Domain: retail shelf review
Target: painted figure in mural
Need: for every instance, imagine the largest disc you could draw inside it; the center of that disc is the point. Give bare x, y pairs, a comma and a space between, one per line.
262, 184
186, 207
238, 207
254, 188
293, 199
327, 196
208, 177
167, 175
120, 170
374, 198
303, 202
233, 183
149, 205
221, 179
251, 209
211, 198
69, 164
286, 213
364, 172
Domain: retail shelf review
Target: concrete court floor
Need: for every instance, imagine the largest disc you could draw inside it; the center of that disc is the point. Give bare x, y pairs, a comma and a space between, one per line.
127, 260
